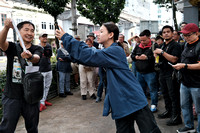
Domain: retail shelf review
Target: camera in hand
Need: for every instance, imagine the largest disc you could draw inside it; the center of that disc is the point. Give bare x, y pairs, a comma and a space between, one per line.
138, 54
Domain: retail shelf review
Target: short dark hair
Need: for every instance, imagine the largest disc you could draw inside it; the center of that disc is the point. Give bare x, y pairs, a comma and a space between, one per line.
21, 24
184, 23
178, 32
159, 37
145, 33
167, 26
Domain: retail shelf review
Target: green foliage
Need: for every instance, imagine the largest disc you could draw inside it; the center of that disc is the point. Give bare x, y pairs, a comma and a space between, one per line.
53, 60
164, 3
53, 7
2, 84
101, 11
2, 80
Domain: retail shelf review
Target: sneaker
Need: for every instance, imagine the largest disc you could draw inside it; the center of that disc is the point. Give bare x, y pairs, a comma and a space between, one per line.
48, 103
84, 97
69, 93
93, 96
186, 130
174, 120
98, 100
153, 108
62, 95
166, 114
42, 107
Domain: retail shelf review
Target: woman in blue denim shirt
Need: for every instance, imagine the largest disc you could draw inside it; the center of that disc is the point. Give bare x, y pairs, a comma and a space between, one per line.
124, 97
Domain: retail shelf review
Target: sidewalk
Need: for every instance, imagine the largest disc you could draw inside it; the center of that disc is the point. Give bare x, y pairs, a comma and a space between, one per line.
74, 115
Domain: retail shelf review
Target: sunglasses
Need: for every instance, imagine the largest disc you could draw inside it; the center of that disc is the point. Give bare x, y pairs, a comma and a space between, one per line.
188, 35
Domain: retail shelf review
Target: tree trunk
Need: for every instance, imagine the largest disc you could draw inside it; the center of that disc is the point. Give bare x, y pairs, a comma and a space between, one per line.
174, 15
56, 27
74, 17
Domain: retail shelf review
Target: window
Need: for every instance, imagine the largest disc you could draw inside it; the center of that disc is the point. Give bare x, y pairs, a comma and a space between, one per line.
19, 20
51, 27
3, 18
159, 16
90, 28
43, 25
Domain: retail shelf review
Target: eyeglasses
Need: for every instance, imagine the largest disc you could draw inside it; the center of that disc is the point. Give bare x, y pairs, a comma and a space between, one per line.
187, 35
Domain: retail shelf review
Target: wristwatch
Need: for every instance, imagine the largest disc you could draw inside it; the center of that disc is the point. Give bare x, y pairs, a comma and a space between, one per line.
162, 52
186, 66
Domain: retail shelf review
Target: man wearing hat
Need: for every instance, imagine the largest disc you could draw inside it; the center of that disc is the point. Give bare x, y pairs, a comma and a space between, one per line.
45, 69
92, 37
190, 82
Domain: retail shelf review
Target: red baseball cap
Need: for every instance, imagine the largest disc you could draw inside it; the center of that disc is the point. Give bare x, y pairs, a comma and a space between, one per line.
191, 27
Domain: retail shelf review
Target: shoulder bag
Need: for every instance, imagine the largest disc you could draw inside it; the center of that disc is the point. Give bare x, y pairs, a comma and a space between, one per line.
32, 81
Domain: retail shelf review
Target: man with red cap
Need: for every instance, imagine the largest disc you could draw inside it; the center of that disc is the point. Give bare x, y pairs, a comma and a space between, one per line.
190, 81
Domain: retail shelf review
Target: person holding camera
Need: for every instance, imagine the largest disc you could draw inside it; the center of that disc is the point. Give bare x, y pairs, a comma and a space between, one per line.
13, 101
124, 99
190, 82
144, 62
169, 52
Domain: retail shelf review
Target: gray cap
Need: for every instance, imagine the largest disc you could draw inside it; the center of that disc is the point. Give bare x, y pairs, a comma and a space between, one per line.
91, 34
43, 34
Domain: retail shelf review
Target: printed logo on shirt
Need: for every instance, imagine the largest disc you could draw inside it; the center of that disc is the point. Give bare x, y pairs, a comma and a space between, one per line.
17, 71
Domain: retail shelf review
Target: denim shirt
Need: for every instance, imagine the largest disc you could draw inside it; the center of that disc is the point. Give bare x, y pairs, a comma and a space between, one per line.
124, 94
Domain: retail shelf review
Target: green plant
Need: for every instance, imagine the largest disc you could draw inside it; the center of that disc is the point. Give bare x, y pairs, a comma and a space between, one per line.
53, 7
2, 84
101, 11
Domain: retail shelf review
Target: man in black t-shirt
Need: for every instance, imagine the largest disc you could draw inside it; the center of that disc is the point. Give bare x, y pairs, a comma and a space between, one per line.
169, 52
92, 37
190, 82
13, 100
45, 69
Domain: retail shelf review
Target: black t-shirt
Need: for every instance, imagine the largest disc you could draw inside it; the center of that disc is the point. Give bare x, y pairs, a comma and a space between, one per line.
172, 48
96, 45
190, 55
45, 63
15, 90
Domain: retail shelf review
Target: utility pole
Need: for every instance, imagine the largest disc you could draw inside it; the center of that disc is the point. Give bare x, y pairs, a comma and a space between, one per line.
74, 17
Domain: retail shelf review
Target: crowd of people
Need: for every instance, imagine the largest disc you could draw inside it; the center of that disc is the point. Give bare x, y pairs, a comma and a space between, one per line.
166, 64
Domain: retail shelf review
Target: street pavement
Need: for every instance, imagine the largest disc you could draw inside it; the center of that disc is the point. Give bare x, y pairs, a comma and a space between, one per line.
74, 115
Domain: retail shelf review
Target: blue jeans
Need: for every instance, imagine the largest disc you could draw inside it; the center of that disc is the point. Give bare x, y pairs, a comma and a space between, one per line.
190, 95
134, 68
101, 85
150, 80
64, 82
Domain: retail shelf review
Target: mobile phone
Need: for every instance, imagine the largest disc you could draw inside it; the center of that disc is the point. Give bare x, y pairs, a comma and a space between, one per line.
170, 63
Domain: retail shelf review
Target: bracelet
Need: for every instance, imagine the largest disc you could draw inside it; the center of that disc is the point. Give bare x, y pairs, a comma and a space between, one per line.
30, 58
186, 66
162, 52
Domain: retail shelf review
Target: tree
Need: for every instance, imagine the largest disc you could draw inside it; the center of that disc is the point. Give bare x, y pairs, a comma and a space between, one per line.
100, 11
169, 4
53, 7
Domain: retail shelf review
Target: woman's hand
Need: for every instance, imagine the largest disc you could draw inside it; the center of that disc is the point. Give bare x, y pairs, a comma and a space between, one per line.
59, 33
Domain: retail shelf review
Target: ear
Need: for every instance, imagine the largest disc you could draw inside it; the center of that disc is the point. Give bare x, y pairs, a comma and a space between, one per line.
111, 35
